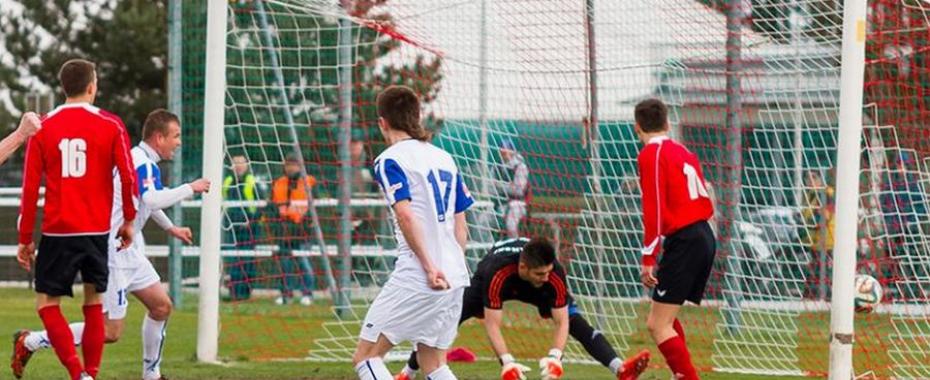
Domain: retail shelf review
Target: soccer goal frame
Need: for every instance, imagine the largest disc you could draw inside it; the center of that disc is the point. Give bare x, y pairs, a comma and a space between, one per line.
848, 161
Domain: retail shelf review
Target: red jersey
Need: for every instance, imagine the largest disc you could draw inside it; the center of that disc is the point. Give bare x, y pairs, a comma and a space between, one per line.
673, 190
76, 150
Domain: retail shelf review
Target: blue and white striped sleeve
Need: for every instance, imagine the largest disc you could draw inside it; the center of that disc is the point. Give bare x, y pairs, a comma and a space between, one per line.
149, 177
153, 194
463, 199
393, 181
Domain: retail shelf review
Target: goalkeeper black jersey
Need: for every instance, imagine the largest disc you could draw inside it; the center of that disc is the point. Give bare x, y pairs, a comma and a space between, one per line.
496, 280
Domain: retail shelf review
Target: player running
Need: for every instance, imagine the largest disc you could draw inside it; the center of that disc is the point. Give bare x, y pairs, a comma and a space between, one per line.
129, 270
527, 271
422, 300
676, 208
77, 150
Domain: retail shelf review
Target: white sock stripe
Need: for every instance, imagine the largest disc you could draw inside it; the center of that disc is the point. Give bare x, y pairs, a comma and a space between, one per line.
368, 364
151, 365
373, 369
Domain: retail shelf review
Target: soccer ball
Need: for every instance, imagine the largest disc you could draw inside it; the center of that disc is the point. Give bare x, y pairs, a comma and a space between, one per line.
868, 293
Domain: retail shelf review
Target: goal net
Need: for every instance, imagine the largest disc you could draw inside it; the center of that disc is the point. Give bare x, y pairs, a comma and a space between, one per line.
557, 81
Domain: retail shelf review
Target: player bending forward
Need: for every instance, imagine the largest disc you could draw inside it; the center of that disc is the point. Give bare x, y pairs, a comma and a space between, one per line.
527, 271
130, 271
77, 150
676, 208
422, 300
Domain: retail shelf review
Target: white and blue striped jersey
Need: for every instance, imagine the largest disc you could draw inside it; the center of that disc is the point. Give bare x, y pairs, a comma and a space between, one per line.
428, 177
152, 197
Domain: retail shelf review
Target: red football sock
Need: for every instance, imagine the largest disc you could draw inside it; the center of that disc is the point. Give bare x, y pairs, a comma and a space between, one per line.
93, 339
59, 335
679, 329
678, 358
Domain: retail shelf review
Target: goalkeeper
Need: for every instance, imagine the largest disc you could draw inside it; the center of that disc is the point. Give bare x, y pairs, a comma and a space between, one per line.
527, 271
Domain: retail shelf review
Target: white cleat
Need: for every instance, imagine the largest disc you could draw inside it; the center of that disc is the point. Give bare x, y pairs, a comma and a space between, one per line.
279, 301
306, 301
85, 376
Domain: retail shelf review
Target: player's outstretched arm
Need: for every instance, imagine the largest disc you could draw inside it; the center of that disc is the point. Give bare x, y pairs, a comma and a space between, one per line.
560, 334
161, 198
550, 367
510, 369
29, 125
492, 327
413, 234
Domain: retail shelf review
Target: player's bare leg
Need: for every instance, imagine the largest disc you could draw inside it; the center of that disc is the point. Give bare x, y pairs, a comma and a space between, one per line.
661, 323
368, 361
433, 362
154, 324
114, 330
661, 318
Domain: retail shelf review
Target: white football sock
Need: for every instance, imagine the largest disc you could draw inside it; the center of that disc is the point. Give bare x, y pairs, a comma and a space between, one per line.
411, 373
615, 365
442, 373
153, 340
38, 340
373, 369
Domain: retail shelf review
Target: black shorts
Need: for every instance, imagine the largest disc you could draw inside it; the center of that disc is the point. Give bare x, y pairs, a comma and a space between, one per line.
61, 257
687, 260
472, 305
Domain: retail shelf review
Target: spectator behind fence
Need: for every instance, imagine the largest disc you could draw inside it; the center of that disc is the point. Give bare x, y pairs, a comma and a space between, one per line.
364, 219
516, 187
289, 195
239, 231
818, 212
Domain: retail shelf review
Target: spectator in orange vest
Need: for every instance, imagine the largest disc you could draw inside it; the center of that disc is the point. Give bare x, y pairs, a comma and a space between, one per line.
289, 195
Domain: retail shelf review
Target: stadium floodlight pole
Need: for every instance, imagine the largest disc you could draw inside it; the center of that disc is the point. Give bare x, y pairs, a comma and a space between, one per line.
730, 194
289, 119
848, 155
345, 139
175, 256
599, 197
211, 211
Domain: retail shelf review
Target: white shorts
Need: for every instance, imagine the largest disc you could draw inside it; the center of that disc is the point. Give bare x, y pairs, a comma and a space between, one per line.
124, 280
402, 314
516, 210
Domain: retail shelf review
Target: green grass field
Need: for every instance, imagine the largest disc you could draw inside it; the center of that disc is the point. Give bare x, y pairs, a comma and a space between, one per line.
251, 324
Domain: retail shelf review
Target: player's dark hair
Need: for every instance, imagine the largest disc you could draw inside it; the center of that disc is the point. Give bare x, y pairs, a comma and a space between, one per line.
400, 107
651, 115
158, 121
538, 252
75, 75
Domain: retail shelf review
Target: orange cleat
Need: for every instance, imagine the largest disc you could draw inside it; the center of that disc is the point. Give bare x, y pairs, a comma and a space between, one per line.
634, 366
21, 354
402, 376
